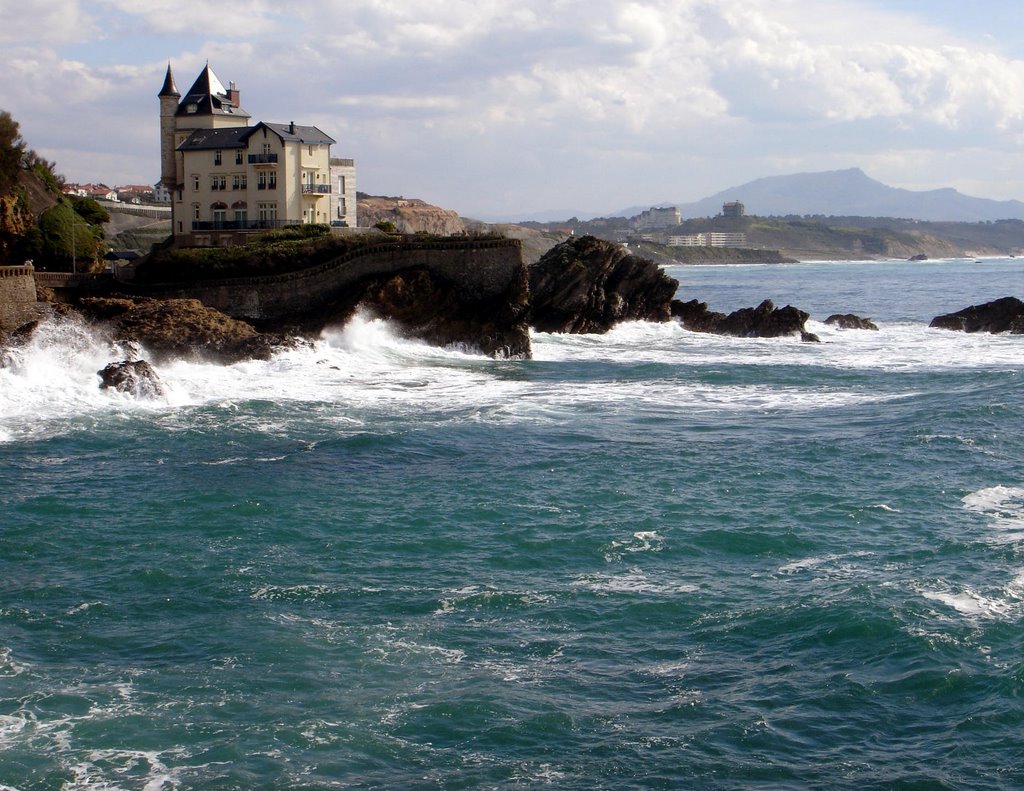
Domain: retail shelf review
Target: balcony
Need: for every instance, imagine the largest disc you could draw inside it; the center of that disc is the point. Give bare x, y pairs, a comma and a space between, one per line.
239, 225
262, 159
316, 189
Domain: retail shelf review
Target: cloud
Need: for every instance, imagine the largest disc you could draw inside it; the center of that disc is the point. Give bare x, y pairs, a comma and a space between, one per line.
631, 98
61, 21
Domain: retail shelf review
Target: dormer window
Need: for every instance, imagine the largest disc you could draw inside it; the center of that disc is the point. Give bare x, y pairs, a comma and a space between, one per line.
191, 107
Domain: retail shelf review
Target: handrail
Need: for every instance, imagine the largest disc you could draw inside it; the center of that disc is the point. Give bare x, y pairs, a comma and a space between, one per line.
19, 270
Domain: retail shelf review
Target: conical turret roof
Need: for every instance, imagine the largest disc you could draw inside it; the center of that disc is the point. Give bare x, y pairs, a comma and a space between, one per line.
169, 89
208, 96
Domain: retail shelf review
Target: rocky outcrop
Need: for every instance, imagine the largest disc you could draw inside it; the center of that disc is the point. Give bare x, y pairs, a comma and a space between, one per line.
587, 285
182, 328
409, 215
848, 321
1000, 315
135, 377
764, 321
426, 305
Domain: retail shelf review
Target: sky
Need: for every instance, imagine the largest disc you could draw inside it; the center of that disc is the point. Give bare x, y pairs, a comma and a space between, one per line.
505, 108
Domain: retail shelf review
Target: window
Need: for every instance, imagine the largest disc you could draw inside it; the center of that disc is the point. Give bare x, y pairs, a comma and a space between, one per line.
238, 157
311, 150
195, 211
341, 185
239, 182
191, 107
241, 216
272, 181
195, 183
267, 212
218, 182
217, 159
261, 180
266, 148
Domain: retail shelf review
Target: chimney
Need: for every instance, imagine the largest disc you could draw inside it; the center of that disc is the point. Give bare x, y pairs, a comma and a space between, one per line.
234, 95
291, 128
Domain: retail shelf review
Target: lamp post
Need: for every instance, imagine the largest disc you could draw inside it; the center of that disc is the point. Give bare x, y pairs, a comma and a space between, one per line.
74, 251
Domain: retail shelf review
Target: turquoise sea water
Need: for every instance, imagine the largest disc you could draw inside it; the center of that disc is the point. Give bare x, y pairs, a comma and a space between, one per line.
651, 559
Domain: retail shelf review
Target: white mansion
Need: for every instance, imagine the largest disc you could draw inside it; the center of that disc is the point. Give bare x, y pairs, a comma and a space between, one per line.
228, 180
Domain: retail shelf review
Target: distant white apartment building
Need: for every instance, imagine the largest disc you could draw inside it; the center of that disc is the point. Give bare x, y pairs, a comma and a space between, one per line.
709, 239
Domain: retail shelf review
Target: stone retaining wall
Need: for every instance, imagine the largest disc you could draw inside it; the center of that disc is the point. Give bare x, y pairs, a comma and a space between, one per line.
481, 269
17, 296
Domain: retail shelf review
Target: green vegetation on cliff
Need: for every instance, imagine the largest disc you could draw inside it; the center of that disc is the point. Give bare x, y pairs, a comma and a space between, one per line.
37, 222
276, 252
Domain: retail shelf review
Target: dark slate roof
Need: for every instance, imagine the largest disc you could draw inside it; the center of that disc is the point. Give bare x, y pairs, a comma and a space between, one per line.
210, 97
210, 139
169, 89
307, 135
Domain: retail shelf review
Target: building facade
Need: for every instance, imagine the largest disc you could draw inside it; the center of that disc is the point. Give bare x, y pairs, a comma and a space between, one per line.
654, 217
229, 180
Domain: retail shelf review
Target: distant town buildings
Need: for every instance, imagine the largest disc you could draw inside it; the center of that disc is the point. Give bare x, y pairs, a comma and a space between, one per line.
709, 239
228, 180
655, 218
733, 209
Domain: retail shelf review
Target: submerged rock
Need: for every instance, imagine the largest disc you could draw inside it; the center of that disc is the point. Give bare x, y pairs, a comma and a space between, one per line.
764, 321
848, 321
588, 285
135, 377
1000, 315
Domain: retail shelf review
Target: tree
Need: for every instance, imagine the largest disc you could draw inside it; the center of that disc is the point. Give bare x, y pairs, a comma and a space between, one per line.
68, 241
89, 210
12, 152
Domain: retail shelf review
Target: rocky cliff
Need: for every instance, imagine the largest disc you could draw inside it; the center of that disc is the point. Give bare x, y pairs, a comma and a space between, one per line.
409, 215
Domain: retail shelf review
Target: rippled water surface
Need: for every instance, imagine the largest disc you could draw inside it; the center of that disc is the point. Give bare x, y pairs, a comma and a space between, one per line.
650, 559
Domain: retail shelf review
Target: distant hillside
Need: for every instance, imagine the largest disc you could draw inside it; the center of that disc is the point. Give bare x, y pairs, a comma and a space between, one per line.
851, 193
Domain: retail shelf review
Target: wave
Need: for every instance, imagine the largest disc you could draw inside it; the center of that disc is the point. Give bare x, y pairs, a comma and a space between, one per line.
367, 371
894, 347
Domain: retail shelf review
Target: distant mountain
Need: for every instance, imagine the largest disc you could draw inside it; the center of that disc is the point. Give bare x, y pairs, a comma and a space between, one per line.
851, 193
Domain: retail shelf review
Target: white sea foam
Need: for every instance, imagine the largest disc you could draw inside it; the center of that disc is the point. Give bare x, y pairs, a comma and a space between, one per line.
363, 370
894, 347
632, 581
1003, 504
1006, 604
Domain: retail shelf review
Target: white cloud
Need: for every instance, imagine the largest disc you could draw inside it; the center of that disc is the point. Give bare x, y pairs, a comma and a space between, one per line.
54, 21
668, 95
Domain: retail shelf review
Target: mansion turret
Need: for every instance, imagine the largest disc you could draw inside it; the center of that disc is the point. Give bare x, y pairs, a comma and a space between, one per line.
229, 180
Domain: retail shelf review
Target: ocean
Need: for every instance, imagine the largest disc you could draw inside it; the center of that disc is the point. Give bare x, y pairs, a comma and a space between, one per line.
648, 559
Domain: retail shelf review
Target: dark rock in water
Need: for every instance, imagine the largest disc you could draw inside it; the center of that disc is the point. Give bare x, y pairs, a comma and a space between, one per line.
430, 307
183, 328
848, 321
695, 315
809, 337
918, 257
1001, 315
588, 285
764, 321
135, 377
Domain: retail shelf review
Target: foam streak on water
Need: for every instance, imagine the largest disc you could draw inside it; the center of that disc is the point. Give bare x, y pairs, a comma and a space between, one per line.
652, 558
